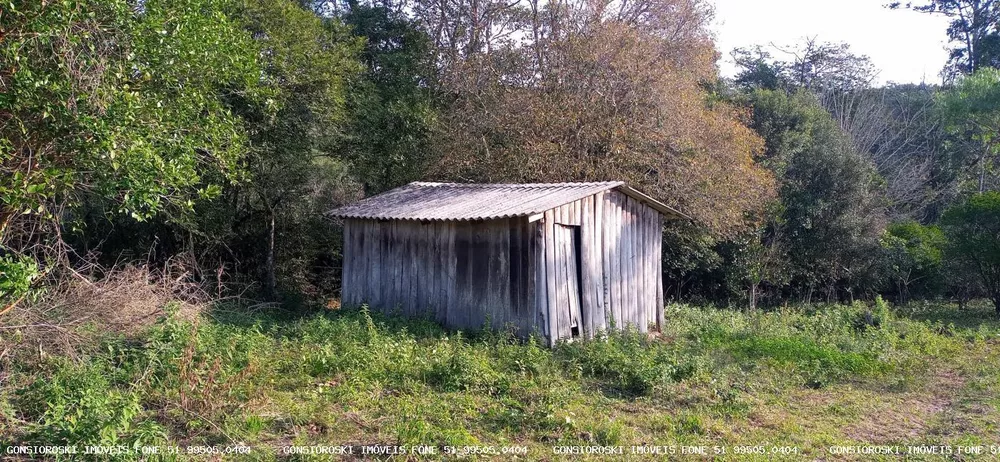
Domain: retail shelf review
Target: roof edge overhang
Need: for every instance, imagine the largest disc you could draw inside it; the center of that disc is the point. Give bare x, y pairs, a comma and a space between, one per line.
664, 209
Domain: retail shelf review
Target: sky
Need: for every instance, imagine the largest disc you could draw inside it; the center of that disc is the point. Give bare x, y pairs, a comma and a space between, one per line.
906, 46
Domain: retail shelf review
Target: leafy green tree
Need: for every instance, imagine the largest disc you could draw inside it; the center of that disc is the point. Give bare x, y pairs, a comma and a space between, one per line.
831, 210
264, 217
973, 232
913, 256
759, 69
393, 104
690, 262
293, 165
816, 66
759, 262
826, 66
897, 127
119, 107
973, 28
972, 111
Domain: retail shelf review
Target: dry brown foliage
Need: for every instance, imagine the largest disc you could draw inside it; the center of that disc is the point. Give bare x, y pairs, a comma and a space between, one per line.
602, 91
82, 303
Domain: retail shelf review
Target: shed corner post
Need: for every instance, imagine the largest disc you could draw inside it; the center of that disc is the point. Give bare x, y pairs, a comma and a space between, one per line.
658, 263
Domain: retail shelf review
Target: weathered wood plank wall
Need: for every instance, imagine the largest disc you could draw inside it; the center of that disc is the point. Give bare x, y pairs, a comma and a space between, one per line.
627, 266
618, 247
592, 264
590, 277
461, 274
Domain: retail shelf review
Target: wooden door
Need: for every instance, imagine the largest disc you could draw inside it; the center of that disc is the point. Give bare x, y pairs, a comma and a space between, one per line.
567, 259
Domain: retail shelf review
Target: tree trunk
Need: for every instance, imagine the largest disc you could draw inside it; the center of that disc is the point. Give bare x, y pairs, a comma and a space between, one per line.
270, 281
982, 171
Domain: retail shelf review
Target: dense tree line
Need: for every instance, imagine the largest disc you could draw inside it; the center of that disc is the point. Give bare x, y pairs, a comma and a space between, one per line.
217, 132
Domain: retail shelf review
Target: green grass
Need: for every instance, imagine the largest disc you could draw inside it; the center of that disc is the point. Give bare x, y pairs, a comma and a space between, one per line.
809, 377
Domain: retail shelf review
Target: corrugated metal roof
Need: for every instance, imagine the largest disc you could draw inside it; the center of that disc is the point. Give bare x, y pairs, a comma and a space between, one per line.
456, 201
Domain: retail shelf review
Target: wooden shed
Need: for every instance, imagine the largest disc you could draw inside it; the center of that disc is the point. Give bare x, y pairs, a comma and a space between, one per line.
564, 260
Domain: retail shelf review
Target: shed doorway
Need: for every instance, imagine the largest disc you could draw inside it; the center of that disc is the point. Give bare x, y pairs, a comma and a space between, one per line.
568, 277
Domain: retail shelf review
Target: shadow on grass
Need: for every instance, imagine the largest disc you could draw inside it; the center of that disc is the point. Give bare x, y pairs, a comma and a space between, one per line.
278, 320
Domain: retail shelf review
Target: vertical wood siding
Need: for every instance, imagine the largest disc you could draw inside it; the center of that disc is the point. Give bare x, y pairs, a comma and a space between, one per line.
630, 235
589, 275
600, 267
466, 275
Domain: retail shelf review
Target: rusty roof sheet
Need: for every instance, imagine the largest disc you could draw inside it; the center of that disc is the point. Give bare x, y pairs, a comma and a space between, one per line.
456, 201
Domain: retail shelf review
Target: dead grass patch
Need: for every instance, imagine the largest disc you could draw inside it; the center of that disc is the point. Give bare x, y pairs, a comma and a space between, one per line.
907, 416
81, 304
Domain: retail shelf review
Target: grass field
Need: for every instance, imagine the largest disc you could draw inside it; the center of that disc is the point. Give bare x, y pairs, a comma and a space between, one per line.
805, 379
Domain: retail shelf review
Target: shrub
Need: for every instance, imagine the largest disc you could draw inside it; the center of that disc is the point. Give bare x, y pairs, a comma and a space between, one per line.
626, 362
912, 255
77, 404
972, 252
16, 275
460, 368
